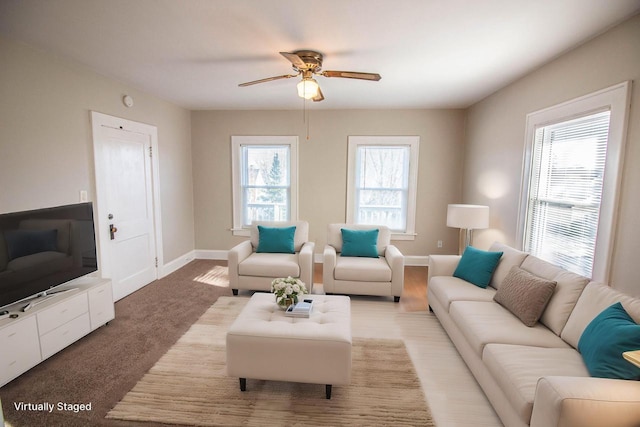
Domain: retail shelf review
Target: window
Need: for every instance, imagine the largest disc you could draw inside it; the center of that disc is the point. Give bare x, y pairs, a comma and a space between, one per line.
383, 176
572, 169
264, 180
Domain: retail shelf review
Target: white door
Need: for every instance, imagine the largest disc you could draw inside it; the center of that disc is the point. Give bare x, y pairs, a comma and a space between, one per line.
125, 202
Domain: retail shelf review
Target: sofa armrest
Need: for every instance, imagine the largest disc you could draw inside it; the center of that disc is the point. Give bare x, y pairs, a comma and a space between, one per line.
395, 259
329, 264
305, 260
236, 255
442, 265
586, 402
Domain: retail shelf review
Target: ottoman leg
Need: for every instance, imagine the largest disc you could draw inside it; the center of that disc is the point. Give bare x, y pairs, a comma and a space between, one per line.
327, 391
243, 384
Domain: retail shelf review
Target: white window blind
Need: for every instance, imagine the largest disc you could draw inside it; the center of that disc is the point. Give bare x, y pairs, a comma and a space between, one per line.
565, 191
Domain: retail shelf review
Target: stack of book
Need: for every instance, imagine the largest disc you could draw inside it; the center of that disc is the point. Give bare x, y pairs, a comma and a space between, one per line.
301, 309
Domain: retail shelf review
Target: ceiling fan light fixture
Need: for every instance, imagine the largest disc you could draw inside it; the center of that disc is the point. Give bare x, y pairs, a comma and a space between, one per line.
307, 88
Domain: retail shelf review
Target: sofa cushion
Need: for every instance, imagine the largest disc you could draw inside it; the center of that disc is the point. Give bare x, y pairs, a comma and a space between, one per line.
518, 368
594, 299
276, 239
362, 269
447, 289
568, 289
484, 323
603, 341
360, 243
477, 266
270, 265
525, 295
510, 257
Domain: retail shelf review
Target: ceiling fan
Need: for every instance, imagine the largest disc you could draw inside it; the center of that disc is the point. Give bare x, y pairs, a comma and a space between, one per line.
307, 63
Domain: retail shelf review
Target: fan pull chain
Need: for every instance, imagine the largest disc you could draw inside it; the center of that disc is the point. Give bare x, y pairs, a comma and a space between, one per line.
305, 115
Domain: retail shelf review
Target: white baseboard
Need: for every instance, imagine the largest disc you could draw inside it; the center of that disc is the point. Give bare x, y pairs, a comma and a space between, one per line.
416, 260
176, 264
211, 254
409, 260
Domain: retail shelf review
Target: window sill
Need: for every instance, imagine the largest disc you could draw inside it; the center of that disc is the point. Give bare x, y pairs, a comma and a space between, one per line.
403, 236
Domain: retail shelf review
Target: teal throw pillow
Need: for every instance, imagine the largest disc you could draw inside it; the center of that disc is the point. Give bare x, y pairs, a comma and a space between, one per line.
362, 243
276, 239
477, 266
603, 341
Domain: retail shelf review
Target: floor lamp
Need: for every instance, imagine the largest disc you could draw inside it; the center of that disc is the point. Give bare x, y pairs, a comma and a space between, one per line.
467, 218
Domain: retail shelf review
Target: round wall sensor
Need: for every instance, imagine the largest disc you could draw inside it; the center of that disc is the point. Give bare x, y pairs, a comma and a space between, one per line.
128, 101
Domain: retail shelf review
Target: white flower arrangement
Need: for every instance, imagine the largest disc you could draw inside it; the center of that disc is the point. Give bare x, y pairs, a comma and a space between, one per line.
288, 288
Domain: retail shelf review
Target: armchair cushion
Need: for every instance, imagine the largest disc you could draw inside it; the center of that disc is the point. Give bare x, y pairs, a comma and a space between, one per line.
270, 265
360, 243
362, 269
276, 239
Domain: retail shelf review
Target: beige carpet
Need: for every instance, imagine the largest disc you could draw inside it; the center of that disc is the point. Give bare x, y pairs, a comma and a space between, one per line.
188, 385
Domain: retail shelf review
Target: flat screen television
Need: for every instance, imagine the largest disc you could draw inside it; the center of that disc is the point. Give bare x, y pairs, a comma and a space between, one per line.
44, 248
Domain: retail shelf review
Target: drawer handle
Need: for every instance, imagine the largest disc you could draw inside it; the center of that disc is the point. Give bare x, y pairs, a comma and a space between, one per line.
63, 311
101, 291
12, 334
13, 363
65, 332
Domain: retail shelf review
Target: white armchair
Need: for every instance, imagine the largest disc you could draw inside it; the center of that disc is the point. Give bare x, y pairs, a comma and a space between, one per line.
383, 276
249, 269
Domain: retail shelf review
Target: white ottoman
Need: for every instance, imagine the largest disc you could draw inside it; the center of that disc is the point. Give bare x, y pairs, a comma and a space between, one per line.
263, 343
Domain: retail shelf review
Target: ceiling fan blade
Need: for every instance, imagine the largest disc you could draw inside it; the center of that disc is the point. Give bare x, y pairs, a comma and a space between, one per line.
268, 79
319, 97
295, 60
352, 75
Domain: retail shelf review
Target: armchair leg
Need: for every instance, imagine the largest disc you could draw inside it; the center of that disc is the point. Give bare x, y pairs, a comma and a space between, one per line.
235, 291
396, 299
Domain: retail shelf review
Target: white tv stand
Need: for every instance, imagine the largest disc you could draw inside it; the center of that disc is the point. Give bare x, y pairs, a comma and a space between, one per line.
52, 324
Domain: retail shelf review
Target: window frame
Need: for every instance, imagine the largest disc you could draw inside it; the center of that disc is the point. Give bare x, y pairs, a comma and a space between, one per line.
413, 142
237, 143
616, 99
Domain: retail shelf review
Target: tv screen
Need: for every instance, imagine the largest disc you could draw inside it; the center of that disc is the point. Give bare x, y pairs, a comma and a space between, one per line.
43, 248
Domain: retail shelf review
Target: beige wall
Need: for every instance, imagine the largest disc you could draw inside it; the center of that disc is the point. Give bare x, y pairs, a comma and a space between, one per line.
46, 154
495, 139
323, 168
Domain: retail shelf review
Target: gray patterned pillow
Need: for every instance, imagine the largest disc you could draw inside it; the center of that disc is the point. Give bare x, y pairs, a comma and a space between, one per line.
524, 294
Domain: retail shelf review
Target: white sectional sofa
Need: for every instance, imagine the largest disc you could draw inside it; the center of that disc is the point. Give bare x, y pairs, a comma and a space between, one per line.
534, 375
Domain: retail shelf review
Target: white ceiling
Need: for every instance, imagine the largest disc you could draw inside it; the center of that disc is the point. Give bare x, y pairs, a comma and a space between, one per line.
430, 53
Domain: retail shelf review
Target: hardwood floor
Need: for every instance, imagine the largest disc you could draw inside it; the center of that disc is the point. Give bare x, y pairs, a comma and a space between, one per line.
414, 294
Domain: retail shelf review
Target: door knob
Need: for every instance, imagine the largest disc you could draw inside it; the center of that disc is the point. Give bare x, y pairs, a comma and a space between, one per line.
112, 231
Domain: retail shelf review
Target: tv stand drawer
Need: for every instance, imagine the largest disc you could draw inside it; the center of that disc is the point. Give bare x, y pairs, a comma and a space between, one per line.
20, 349
64, 335
59, 314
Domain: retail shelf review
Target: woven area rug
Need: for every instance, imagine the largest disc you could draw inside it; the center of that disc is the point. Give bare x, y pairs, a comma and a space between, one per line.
189, 386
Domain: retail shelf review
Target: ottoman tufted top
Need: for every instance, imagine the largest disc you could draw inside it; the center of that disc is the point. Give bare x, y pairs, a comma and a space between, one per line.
261, 317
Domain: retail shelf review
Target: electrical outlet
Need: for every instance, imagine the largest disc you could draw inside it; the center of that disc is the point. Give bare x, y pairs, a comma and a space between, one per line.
439, 243
83, 196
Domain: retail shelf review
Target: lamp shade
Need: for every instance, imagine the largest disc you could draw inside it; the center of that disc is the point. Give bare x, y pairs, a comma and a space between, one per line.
307, 88
470, 217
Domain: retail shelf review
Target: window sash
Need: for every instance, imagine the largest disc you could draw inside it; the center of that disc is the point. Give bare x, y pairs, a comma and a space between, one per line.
263, 191
391, 212
379, 194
